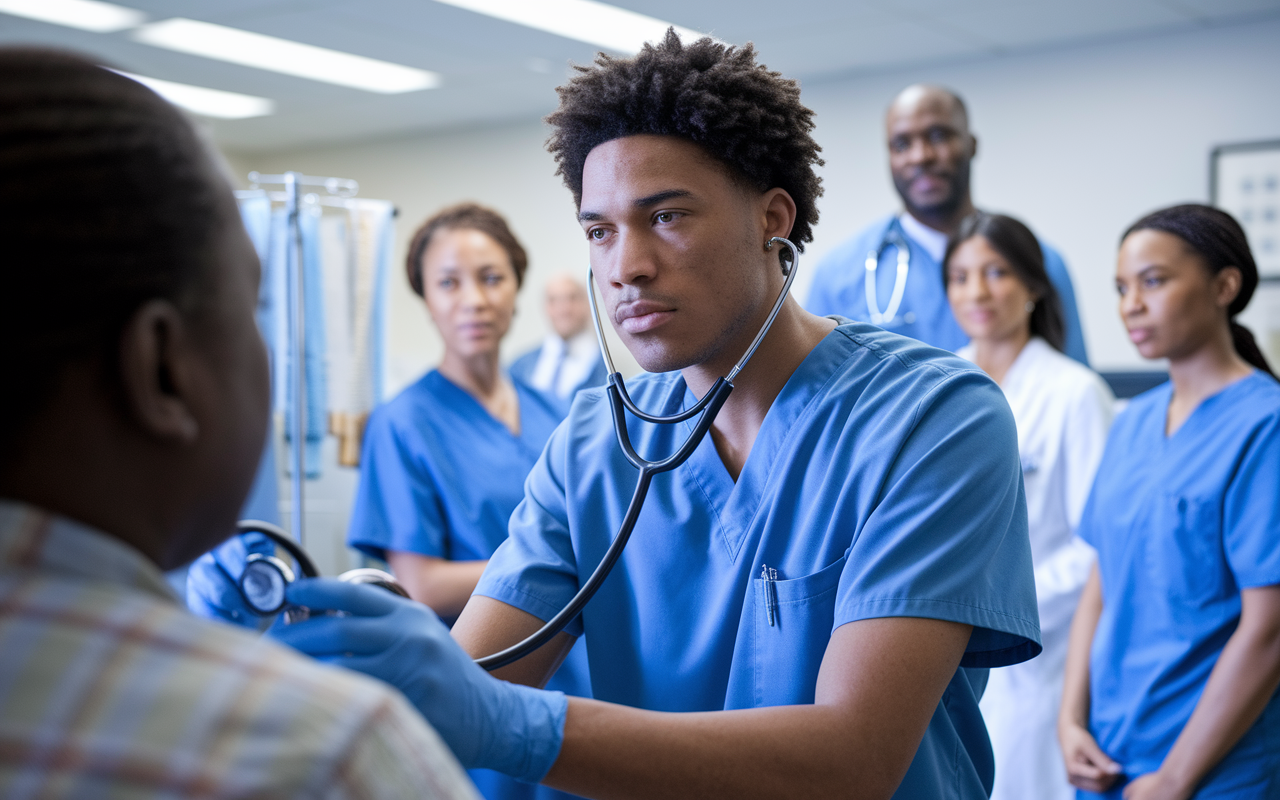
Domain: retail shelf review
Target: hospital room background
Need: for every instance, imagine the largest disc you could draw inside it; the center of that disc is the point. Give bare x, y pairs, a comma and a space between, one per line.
1088, 115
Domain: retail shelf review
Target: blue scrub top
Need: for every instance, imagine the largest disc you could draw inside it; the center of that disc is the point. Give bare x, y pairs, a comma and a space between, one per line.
1181, 525
839, 287
884, 482
440, 476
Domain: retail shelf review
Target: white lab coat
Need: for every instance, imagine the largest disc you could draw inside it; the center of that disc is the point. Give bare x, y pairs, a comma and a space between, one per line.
1063, 411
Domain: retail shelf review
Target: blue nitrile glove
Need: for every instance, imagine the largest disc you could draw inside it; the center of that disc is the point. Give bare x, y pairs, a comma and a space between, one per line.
212, 580
487, 722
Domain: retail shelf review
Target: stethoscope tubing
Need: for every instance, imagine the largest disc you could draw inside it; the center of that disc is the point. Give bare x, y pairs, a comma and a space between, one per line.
277, 535
619, 403
894, 238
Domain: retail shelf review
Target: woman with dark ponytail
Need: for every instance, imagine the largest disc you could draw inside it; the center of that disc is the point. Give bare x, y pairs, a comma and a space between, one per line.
1174, 658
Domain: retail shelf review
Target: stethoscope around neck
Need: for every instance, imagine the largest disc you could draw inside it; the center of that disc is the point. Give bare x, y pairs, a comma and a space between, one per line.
619, 404
891, 237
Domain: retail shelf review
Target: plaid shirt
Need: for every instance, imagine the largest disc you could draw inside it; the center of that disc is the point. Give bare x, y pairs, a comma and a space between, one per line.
110, 688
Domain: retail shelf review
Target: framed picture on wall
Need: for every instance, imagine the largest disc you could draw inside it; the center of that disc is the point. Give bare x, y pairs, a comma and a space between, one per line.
1244, 179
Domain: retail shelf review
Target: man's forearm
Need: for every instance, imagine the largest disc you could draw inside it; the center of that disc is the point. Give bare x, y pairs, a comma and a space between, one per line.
878, 688
614, 752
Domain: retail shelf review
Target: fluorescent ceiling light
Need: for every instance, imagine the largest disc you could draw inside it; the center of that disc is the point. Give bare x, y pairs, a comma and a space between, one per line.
282, 55
585, 20
89, 15
206, 102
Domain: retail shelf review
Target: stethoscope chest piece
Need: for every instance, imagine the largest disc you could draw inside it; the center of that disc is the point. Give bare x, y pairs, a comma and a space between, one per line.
265, 580
263, 583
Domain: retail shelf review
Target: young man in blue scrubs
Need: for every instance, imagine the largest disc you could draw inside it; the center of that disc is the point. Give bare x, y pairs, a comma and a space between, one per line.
873, 480
930, 152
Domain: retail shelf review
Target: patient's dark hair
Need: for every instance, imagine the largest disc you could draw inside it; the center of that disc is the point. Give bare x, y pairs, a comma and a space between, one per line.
108, 200
464, 216
717, 96
1220, 242
1017, 245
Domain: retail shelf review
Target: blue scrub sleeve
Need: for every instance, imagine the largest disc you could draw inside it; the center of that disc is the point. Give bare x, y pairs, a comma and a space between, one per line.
947, 538
1251, 515
1061, 277
396, 506
538, 573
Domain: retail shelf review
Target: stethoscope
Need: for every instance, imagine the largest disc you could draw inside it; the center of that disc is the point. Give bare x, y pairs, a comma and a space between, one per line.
619, 403
891, 237
266, 577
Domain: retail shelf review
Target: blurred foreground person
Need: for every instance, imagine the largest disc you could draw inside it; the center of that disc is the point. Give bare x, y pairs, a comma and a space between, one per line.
132, 420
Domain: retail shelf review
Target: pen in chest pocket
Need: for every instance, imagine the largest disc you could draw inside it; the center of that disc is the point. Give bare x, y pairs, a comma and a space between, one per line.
769, 576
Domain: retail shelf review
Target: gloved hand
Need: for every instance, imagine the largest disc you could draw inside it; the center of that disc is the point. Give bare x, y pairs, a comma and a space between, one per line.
485, 721
212, 589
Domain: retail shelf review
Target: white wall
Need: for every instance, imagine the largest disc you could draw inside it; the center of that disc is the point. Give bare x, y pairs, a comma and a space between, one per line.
505, 168
1076, 141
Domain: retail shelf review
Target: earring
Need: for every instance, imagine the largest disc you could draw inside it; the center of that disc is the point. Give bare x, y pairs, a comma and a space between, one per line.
1031, 306
768, 245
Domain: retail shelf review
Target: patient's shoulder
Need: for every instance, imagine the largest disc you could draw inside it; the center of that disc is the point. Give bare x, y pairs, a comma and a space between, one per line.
149, 696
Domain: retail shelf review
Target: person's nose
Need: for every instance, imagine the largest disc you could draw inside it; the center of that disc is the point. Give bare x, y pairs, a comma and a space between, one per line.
978, 288
1132, 303
632, 260
920, 151
471, 295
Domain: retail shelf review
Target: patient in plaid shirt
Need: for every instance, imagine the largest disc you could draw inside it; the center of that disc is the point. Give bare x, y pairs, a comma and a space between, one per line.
133, 412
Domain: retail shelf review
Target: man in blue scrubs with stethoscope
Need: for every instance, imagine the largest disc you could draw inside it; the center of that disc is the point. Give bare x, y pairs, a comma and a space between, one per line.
930, 152
808, 606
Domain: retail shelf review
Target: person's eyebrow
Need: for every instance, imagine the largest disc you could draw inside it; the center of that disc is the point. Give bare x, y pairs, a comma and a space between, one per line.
661, 197
643, 202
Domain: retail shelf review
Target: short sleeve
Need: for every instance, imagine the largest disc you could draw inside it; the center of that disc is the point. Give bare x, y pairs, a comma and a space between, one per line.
398, 755
947, 538
535, 569
1251, 514
397, 506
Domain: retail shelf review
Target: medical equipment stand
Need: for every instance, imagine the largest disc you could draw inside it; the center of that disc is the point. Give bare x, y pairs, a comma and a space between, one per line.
293, 183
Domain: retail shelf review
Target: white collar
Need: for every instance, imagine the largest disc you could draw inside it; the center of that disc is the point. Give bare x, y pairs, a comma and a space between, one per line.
933, 242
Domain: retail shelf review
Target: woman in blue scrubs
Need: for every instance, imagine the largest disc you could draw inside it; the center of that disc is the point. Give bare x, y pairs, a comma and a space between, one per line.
444, 462
1174, 656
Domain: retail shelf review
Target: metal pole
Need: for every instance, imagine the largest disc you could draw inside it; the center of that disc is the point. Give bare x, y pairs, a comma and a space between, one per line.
299, 351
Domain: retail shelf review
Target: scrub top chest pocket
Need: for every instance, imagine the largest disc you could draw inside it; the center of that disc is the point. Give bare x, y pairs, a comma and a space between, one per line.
790, 627
1183, 546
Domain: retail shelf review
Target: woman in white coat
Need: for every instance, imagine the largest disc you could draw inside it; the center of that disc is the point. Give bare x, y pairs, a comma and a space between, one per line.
1003, 300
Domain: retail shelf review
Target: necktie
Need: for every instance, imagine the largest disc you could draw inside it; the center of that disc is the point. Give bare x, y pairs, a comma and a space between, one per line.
555, 373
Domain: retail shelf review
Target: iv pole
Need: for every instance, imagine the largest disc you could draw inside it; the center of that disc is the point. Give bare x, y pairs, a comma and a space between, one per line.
293, 183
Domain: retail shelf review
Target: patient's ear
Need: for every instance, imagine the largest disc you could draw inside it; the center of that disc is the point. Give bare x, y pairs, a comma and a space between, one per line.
158, 369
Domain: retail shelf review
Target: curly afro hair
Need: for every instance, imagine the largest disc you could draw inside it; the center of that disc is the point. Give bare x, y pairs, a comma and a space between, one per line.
714, 95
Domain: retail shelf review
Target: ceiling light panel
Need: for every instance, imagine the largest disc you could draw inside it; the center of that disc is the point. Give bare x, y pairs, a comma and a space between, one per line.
285, 56
88, 15
207, 102
588, 21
